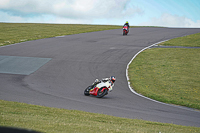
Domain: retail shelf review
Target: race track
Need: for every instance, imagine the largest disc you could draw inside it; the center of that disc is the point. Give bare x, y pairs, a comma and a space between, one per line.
68, 64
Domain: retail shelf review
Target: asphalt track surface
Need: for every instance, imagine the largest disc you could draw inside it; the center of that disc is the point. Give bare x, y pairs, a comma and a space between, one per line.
75, 61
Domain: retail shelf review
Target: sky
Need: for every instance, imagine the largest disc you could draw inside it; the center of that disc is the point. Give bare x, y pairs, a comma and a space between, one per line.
167, 13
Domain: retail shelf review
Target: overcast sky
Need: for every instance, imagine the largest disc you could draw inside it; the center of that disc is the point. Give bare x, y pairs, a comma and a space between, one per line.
168, 13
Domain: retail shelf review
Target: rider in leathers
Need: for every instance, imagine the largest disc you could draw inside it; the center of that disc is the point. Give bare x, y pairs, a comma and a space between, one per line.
110, 80
127, 25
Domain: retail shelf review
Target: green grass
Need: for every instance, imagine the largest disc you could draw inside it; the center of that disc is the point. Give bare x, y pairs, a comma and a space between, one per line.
11, 33
188, 41
170, 75
53, 120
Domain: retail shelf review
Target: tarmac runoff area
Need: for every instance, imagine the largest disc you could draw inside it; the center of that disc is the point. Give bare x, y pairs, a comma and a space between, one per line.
21, 65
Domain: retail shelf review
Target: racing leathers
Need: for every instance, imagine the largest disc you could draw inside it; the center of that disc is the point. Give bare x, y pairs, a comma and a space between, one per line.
127, 24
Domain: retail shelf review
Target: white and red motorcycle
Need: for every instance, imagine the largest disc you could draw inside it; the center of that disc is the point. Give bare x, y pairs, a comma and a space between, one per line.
99, 89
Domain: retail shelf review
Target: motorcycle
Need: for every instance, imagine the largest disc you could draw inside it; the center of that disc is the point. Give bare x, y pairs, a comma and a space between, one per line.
125, 30
99, 90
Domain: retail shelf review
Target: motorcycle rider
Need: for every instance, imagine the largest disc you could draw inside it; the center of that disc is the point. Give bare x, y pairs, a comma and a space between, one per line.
127, 25
110, 80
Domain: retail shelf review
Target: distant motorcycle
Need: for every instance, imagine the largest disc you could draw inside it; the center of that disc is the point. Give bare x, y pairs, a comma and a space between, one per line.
99, 90
125, 30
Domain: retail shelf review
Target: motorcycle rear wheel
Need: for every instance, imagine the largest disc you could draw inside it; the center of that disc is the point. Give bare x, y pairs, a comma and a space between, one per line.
102, 94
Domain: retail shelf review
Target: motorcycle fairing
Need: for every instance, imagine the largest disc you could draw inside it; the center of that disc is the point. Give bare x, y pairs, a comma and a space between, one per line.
104, 84
125, 27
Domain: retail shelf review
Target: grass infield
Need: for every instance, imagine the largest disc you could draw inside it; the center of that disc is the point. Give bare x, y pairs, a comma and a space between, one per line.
187, 41
170, 75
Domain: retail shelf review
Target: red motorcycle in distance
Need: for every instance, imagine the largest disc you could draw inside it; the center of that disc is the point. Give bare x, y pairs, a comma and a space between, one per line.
125, 30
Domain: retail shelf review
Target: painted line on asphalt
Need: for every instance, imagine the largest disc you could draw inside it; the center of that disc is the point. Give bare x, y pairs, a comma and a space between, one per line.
132, 90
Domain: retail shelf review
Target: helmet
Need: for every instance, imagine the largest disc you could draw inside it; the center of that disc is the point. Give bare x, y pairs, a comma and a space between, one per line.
126, 22
112, 78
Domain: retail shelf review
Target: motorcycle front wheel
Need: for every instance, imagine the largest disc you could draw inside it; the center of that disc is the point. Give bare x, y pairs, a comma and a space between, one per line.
101, 93
124, 33
87, 90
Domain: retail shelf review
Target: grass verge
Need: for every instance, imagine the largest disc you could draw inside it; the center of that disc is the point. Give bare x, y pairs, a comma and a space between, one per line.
170, 75
11, 33
187, 41
51, 120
